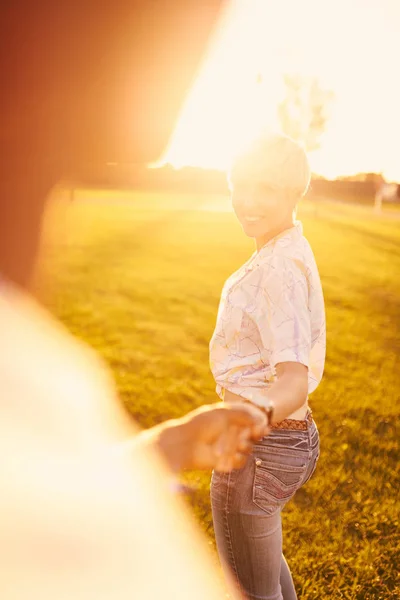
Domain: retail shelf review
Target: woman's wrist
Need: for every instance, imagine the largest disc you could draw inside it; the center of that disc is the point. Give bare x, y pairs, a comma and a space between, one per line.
266, 405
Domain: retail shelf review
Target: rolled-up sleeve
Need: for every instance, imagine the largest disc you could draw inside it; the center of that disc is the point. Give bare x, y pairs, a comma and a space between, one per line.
281, 311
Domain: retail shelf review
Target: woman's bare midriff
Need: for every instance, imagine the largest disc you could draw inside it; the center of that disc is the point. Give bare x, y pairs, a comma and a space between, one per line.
298, 415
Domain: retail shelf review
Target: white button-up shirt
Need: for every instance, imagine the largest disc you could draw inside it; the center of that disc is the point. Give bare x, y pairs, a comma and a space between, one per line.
271, 311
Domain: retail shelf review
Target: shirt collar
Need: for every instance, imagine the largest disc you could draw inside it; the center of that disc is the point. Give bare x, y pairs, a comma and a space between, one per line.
287, 236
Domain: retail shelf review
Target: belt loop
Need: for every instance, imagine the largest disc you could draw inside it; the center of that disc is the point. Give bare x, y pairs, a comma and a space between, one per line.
309, 420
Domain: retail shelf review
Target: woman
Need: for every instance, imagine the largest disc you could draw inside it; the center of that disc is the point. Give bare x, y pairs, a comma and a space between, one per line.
269, 349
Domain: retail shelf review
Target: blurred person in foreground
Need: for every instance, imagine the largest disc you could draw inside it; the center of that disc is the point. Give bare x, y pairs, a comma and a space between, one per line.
86, 510
268, 348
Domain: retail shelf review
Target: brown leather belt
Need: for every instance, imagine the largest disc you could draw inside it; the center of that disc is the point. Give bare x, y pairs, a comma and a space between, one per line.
302, 424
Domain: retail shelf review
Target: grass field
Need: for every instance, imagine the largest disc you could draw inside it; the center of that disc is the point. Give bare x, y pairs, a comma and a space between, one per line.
138, 277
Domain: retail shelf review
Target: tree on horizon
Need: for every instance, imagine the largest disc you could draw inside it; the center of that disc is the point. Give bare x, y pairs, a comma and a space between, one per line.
304, 111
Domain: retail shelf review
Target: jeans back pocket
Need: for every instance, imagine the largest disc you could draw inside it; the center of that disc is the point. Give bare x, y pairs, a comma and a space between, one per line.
275, 483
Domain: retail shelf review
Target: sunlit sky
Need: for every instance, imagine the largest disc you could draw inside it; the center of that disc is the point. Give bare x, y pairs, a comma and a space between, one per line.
352, 46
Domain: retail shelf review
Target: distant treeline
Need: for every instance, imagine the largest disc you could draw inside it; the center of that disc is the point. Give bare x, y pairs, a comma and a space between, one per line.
191, 179
345, 189
140, 177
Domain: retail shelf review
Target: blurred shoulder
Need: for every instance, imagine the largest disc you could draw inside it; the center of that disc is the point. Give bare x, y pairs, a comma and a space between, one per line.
61, 383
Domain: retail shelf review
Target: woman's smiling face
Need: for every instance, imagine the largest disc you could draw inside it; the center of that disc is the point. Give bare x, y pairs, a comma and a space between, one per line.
260, 208
266, 182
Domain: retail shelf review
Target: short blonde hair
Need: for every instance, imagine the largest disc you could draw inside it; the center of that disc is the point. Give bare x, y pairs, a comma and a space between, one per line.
275, 160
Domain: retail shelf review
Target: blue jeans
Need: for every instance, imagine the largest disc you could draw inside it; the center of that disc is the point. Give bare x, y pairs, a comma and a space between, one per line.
247, 505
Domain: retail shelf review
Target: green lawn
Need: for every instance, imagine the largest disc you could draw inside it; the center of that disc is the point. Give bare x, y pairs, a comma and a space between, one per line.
138, 277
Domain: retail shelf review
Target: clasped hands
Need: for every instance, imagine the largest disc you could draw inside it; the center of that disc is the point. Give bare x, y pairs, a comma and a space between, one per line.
218, 436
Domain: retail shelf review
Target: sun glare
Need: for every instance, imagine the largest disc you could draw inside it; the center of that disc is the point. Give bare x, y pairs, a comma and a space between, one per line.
240, 84
228, 104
